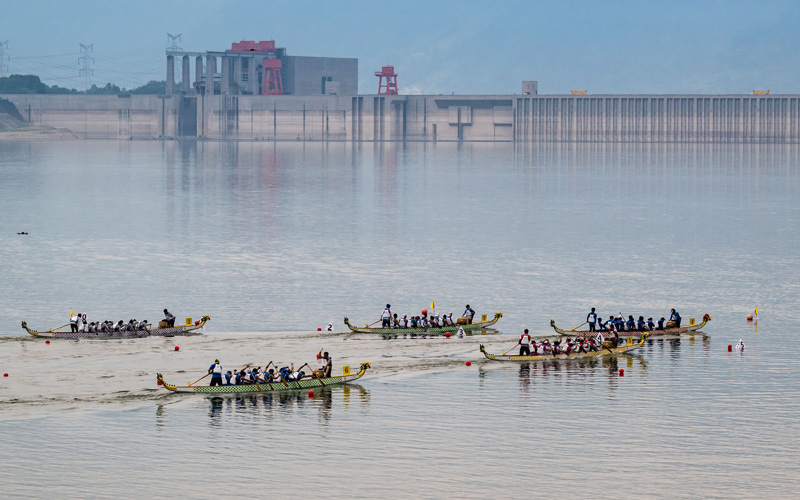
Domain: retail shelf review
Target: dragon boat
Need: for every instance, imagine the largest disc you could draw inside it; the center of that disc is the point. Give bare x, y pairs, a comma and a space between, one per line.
271, 387
435, 330
604, 350
635, 333
173, 331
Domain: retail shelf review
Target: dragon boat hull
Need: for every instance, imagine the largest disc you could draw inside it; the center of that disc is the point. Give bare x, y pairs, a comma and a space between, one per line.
175, 331
438, 330
633, 333
601, 351
269, 387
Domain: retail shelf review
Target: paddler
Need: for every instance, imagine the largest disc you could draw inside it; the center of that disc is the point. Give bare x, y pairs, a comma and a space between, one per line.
524, 344
169, 318
216, 373
73, 322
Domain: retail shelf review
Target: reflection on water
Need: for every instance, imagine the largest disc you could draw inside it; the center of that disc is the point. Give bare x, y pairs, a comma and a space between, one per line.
228, 410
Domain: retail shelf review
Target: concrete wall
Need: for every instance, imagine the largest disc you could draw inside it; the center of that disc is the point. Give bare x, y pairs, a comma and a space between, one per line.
611, 118
658, 118
303, 75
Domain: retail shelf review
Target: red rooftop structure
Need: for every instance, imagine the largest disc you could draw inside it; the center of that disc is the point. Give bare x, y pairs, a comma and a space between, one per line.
390, 87
271, 82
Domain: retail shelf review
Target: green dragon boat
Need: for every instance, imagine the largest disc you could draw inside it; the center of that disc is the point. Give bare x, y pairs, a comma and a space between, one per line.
635, 333
171, 331
601, 351
270, 387
435, 330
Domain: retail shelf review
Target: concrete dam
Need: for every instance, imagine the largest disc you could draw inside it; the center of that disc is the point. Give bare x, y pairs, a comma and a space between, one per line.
506, 118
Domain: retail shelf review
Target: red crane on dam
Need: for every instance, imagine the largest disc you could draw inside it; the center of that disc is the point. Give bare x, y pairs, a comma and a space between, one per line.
390, 87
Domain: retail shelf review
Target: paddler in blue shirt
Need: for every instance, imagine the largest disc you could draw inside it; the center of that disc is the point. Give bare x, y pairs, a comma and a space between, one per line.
676, 318
591, 318
216, 373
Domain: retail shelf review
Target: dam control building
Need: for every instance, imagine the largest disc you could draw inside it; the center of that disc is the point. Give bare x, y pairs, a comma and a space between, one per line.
260, 68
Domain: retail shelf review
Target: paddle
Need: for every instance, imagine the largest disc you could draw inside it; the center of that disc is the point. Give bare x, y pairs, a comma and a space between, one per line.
513, 346
198, 380
369, 325
312, 374
576, 327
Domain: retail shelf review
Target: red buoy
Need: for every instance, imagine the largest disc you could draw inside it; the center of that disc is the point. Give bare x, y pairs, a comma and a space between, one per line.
621, 372
177, 348
5, 374
319, 329
730, 348
311, 394
447, 335
469, 363
46, 341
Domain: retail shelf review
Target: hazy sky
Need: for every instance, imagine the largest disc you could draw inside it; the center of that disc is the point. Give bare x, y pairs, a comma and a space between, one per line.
469, 47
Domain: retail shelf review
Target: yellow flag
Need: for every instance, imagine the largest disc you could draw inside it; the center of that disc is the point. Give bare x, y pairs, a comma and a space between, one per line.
756, 311
70, 312
434, 307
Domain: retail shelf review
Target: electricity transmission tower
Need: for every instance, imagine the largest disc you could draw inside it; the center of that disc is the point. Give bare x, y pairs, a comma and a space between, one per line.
173, 41
86, 62
3, 58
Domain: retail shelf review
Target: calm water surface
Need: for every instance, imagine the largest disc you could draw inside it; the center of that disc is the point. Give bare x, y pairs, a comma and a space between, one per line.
275, 240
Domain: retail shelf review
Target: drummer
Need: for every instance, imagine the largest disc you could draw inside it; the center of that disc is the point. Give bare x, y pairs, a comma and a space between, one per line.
327, 366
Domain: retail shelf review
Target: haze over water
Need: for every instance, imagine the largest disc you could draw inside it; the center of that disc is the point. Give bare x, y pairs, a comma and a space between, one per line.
275, 240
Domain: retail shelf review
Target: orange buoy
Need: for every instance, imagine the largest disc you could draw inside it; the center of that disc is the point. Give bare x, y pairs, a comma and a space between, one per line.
177, 348
730, 348
469, 363
621, 372
46, 341
311, 394
447, 335
749, 317
424, 311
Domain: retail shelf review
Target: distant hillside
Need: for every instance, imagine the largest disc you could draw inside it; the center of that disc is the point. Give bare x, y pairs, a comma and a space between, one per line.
32, 84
